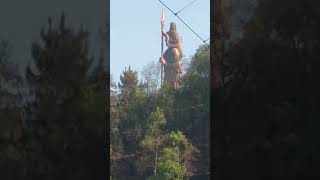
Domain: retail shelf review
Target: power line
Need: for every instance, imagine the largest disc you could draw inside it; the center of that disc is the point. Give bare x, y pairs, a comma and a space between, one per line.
185, 7
176, 14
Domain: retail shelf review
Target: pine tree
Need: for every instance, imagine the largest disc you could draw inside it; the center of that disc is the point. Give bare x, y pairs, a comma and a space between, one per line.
69, 104
11, 122
132, 105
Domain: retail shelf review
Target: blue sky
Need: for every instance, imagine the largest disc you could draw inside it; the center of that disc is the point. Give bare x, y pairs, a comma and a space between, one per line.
135, 34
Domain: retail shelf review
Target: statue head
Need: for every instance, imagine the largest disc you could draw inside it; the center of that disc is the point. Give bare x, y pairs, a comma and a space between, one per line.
173, 26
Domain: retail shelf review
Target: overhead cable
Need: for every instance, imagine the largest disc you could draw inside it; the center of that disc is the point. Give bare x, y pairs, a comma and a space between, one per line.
176, 14
185, 7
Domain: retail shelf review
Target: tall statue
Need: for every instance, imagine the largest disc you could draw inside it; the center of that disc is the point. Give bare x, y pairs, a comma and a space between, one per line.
172, 57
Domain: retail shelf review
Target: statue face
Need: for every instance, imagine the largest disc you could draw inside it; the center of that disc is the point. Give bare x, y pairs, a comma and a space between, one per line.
173, 26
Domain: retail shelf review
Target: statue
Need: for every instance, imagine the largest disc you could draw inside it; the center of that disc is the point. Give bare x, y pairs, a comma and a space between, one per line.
172, 57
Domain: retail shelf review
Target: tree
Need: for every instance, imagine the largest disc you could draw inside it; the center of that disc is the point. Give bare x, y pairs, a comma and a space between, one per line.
115, 139
170, 170
166, 99
116, 145
171, 163
168, 126
62, 65
9, 80
188, 153
132, 105
151, 76
69, 105
192, 114
192, 101
128, 83
11, 122
273, 69
153, 138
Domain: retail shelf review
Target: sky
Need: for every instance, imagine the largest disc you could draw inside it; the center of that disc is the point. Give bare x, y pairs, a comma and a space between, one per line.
135, 31
134, 28
21, 22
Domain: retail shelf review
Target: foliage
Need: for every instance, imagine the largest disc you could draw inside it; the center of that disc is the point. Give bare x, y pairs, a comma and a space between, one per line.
166, 100
156, 128
170, 166
170, 170
132, 119
273, 69
175, 138
171, 153
69, 105
155, 121
11, 124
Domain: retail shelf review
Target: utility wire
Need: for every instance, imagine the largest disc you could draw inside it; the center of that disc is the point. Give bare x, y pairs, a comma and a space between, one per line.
185, 7
176, 14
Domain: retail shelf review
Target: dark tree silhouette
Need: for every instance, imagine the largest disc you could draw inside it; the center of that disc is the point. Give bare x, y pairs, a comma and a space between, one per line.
69, 108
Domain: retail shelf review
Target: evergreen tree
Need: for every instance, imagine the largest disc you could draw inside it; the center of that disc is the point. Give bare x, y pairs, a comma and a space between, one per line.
132, 101
69, 105
11, 122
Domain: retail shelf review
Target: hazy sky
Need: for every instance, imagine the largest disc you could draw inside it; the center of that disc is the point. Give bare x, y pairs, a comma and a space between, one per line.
135, 26
135, 30
21, 21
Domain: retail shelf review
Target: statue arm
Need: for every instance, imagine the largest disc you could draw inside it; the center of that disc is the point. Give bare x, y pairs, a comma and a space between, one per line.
172, 45
167, 39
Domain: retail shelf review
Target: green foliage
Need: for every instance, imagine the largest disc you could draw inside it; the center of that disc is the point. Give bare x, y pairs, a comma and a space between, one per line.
128, 83
166, 100
142, 120
192, 115
155, 121
131, 105
116, 146
171, 170
170, 166
69, 103
154, 137
170, 154
197, 76
201, 51
176, 138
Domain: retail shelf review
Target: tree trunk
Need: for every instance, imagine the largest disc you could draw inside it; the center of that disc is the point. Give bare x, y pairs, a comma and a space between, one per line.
156, 157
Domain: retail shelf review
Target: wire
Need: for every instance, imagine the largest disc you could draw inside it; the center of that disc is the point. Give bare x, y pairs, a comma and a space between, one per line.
176, 14
185, 7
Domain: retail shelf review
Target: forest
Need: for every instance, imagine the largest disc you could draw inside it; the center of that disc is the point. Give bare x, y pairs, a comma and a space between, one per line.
265, 108
56, 130
59, 128
161, 133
